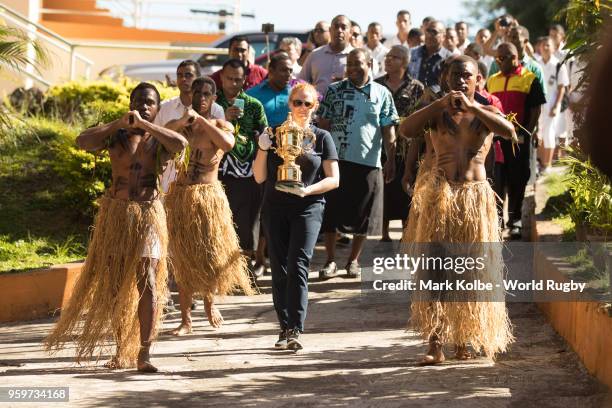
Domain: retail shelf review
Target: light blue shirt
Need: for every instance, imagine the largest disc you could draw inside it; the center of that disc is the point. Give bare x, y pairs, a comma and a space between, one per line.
275, 103
357, 116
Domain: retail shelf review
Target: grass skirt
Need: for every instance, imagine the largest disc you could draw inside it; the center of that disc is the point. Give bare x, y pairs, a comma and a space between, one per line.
204, 247
423, 179
104, 305
460, 213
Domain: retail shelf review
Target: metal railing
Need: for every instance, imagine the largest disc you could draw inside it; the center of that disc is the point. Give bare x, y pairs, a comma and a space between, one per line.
37, 31
60, 42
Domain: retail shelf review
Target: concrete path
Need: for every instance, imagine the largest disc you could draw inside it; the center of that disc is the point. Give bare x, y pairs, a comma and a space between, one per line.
357, 352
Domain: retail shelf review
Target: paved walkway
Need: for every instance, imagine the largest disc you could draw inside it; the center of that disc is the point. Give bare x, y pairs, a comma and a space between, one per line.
357, 352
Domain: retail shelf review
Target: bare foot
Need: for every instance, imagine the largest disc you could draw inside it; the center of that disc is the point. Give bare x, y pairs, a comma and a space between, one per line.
144, 364
214, 316
183, 329
462, 352
434, 355
113, 364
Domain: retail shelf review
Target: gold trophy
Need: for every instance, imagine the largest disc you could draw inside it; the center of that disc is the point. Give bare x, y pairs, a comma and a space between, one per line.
290, 140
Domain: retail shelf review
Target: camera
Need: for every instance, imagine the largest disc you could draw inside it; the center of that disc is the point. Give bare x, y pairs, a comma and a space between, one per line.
267, 28
504, 22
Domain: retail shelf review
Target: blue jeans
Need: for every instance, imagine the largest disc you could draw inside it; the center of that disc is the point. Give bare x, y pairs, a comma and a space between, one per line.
292, 233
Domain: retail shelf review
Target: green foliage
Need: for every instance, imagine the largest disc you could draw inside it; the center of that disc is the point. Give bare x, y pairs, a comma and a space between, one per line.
583, 20
15, 48
87, 175
93, 102
591, 193
50, 145
24, 253
14, 53
36, 212
536, 15
48, 186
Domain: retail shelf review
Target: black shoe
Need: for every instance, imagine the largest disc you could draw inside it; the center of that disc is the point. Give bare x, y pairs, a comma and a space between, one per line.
258, 270
330, 270
516, 233
353, 270
293, 340
281, 343
193, 306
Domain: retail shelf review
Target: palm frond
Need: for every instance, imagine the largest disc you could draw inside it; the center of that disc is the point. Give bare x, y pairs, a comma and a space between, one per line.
14, 47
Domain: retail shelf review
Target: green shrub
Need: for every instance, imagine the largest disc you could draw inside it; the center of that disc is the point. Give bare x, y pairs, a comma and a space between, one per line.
93, 102
83, 176
591, 193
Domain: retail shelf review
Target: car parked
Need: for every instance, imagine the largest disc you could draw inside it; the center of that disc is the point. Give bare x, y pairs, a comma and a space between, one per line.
162, 70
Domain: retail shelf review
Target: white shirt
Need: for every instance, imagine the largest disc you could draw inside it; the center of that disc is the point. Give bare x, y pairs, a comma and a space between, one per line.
552, 80
378, 55
173, 108
561, 53
297, 68
488, 60
463, 46
456, 51
396, 41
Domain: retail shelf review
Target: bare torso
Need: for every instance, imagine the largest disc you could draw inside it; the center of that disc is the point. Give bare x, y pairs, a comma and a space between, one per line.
135, 157
461, 143
204, 157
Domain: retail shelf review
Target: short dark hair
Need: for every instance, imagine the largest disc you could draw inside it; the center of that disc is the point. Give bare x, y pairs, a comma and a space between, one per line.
277, 58
458, 23
372, 25
339, 16
428, 20
144, 86
511, 47
415, 33
522, 31
238, 38
192, 63
205, 80
233, 63
355, 24
402, 12
459, 59
476, 48
364, 51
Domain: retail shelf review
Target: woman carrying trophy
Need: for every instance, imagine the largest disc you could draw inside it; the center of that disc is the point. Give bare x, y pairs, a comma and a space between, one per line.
298, 164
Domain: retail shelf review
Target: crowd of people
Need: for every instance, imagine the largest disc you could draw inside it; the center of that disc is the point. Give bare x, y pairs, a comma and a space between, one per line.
399, 128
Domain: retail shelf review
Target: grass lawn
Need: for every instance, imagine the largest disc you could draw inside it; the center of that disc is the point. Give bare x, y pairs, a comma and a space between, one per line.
37, 226
557, 188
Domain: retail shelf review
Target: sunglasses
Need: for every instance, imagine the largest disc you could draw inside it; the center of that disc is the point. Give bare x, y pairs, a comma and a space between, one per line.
320, 30
433, 31
297, 103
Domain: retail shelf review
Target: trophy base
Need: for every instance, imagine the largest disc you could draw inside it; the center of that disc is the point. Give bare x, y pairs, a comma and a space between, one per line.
284, 183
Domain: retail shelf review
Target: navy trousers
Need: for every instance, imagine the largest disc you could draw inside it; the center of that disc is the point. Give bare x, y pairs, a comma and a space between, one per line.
291, 232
